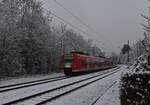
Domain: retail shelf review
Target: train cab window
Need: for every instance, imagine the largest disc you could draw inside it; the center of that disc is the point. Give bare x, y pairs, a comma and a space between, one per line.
68, 60
67, 63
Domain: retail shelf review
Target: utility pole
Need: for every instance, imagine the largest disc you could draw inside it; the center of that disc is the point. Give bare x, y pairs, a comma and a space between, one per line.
128, 53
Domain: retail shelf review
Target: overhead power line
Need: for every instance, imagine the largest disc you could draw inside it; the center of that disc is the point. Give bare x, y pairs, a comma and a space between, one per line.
65, 21
76, 17
69, 23
73, 26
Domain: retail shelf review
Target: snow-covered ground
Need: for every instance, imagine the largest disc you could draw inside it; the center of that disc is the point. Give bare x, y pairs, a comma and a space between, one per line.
105, 91
83, 96
111, 97
24, 92
9, 81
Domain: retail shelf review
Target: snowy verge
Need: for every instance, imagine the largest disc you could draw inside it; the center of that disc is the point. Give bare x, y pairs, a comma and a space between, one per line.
9, 81
111, 97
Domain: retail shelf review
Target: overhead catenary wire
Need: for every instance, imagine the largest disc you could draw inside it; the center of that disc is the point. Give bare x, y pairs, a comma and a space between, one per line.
84, 23
65, 21
78, 19
70, 24
58, 17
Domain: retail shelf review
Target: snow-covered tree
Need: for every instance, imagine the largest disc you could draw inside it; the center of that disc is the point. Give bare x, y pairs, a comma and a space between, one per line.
34, 31
29, 44
9, 55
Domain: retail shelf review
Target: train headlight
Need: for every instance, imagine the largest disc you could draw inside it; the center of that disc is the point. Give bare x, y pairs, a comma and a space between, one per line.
68, 65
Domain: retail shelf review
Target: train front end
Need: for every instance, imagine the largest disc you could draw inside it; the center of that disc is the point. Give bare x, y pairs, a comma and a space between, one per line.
68, 58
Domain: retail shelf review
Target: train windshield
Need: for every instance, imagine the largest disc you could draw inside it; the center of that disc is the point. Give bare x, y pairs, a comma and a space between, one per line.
68, 58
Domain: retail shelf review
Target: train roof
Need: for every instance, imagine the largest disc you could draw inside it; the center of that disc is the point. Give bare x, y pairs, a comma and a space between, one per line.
79, 52
102, 56
83, 53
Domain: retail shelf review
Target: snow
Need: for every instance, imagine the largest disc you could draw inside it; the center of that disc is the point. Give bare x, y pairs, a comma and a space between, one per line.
111, 97
139, 66
88, 94
136, 80
23, 92
35, 100
9, 81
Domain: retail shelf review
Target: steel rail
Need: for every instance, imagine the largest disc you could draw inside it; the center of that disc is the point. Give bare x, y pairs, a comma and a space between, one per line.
28, 84
60, 87
57, 96
93, 103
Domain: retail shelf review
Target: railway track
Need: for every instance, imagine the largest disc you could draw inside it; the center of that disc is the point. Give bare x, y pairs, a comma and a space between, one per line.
98, 98
6, 88
52, 94
30, 83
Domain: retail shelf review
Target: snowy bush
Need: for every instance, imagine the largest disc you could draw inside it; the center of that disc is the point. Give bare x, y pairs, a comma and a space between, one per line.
139, 66
135, 83
135, 89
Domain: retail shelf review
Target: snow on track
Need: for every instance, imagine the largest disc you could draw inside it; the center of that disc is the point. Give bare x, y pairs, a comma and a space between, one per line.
31, 83
63, 90
111, 97
20, 93
11, 80
87, 95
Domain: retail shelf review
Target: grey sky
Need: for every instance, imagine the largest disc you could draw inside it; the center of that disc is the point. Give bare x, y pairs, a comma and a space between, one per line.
115, 20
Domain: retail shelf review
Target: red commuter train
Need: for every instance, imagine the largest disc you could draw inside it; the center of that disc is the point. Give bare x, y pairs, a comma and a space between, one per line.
77, 62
